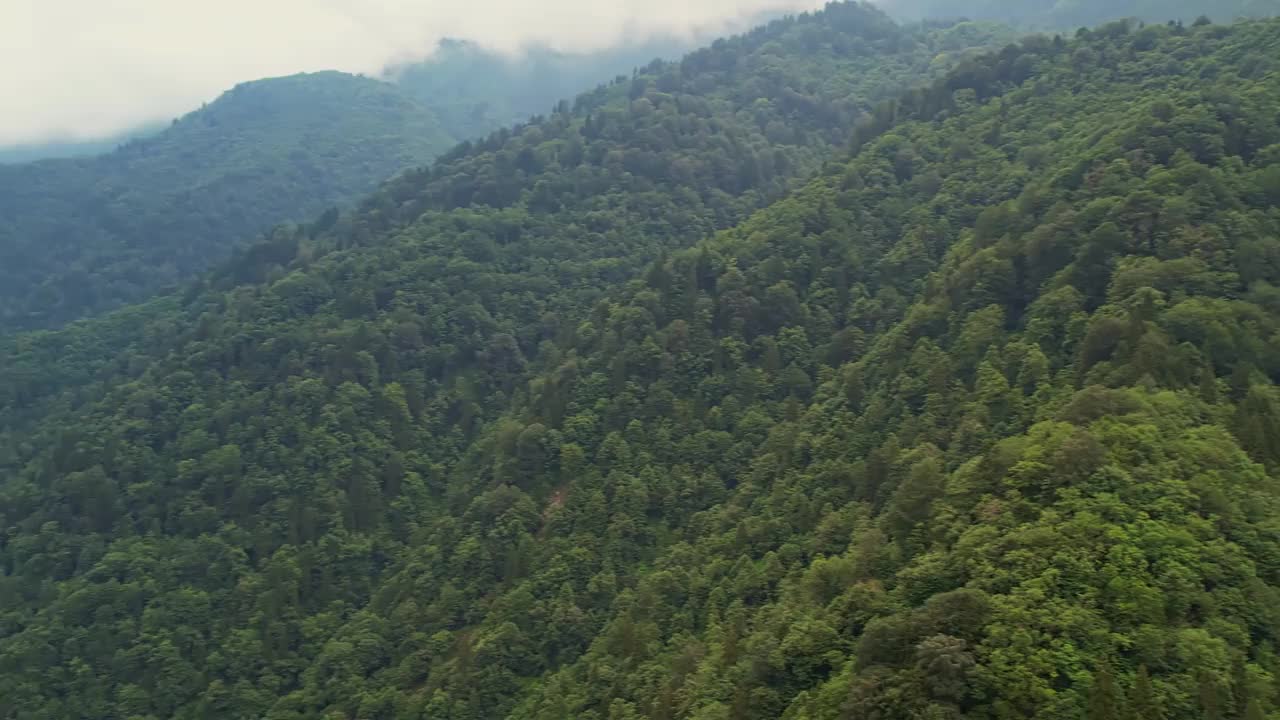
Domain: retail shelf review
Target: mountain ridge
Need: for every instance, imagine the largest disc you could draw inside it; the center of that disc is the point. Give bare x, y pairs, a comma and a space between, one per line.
260, 154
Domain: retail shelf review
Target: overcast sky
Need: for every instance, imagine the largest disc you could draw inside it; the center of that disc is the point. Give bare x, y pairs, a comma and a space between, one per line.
79, 69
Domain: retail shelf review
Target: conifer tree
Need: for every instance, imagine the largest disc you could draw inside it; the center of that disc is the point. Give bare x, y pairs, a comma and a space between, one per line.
1105, 699
1142, 699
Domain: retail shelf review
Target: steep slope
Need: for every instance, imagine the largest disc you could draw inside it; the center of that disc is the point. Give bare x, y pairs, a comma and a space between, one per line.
79, 236
982, 424
235, 440
1007, 454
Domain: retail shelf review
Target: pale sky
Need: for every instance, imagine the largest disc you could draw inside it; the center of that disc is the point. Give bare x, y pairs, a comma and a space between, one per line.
80, 69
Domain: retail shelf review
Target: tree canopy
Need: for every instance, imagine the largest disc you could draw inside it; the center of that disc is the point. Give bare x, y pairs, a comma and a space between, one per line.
1062, 14
615, 415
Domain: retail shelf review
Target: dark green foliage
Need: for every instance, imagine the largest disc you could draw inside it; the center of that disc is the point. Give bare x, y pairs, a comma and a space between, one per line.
1105, 701
329, 379
87, 235
79, 236
1143, 703
978, 423
1063, 14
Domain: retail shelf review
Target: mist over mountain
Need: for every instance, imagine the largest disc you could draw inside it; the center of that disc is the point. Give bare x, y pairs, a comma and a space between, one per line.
133, 62
475, 90
15, 154
76, 234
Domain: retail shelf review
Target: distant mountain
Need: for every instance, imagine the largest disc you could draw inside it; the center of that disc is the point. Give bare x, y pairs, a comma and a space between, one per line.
476, 91
30, 152
471, 89
82, 235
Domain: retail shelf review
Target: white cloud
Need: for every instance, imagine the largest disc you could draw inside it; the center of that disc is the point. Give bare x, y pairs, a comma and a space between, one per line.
76, 69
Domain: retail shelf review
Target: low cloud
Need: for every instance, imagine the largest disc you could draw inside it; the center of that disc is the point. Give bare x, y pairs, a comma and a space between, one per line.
77, 69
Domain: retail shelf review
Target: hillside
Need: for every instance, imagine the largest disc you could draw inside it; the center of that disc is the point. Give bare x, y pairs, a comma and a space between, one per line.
1070, 14
981, 424
188, 456
612, 416
78, 236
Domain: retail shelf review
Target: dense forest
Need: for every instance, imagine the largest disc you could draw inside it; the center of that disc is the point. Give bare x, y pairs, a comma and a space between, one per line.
592, 192
1061, 14
612, 415
82, 235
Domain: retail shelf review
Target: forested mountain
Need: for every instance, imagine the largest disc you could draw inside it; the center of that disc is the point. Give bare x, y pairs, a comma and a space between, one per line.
567, 205
475, 91
1063, 14
82, 235
978, 423
459, 275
